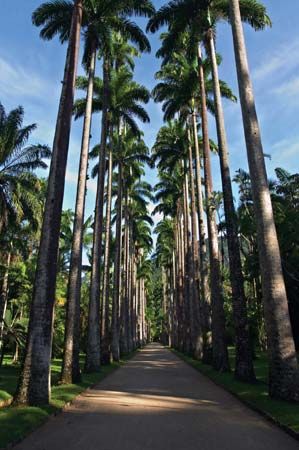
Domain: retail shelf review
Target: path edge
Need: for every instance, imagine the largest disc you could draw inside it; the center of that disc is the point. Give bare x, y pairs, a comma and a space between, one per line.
66, 405
251, 406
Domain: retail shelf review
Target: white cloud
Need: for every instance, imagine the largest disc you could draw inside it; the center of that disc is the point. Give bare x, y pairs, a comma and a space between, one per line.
289, 89
17, 82
283, 59
285, 149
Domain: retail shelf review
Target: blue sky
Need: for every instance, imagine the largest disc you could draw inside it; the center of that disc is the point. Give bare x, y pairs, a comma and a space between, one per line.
31, 71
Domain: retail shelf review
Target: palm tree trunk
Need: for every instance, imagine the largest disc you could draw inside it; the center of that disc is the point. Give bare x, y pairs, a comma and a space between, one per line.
105, 344
131, 287
117, 268
205, 307
124, 292
188, 282
134, 295
283, 365
244, 366
220, 354
197, 335
93, 348
34, 384
175, 299
4, 296
70, 366
181, 314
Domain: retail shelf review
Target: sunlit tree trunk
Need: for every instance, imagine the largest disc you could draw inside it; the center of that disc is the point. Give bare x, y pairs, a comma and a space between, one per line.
220, 354
71, 366
197, 334
244, 365
117, 269
283, 365
34, 384
93, 347
105, 325
205, 306
124, 339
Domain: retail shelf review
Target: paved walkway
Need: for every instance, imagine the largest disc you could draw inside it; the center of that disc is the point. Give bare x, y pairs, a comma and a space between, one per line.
157, 402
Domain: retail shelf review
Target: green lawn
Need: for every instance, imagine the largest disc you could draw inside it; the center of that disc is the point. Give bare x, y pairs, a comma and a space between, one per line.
256, 395
17, 422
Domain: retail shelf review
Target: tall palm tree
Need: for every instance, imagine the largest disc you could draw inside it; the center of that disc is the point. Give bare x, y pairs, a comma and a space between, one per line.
18, 184
34, 384
198, 19
130, 151
180, 88
125, 104
134, 33
284, 375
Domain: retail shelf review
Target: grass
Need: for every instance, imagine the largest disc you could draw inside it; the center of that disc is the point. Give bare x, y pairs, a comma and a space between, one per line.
17, 422
256, 395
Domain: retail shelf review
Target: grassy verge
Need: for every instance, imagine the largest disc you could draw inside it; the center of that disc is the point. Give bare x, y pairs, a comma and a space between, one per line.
283, 413
17, 422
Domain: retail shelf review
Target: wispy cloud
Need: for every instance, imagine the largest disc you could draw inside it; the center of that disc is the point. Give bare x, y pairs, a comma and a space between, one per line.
286, 149
289, 89
17, 82
283, 59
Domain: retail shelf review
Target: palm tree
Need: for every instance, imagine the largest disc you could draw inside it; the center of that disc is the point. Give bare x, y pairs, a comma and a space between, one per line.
199, 20
180, 88
130, 151
125, 103
34, 384
284, 376
134, 33
137, 240
18, 184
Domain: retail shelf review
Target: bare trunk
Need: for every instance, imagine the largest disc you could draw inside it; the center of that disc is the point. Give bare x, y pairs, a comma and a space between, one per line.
196, 333
220, 354
4, 297
117, 269
244, 365
188, 282
71, 366
124, 339
34, 384
134, 296
181, 315
105, 343
283, 365
204, 283
93, 349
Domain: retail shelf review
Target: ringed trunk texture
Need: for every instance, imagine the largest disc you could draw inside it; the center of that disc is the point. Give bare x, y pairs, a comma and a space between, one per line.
105, 343
71, 366
244, 365
93, 350
220, 354
283, 365
34, 384
188, 282
117, 269
205, 306
197, 335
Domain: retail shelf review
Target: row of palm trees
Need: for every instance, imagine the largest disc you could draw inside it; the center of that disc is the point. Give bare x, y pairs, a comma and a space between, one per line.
181, 154
108, 34
189, 87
